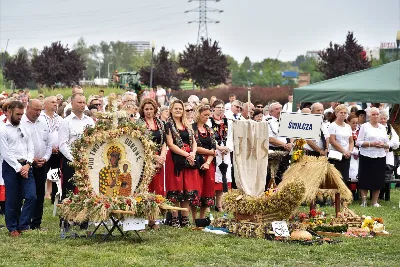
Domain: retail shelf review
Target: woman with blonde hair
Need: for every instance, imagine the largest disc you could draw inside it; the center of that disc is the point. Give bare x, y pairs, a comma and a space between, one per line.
373, 142
341, 140
182, 177
206, 147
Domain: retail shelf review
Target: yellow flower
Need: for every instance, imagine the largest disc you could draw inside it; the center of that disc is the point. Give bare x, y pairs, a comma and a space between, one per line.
138, 199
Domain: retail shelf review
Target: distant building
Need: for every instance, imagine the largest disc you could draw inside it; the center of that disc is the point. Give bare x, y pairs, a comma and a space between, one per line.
140, 46
304, 79
313, 54
372, 52
389, 48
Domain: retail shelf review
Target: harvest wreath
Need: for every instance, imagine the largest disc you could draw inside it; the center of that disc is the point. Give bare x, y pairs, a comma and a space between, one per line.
89, 205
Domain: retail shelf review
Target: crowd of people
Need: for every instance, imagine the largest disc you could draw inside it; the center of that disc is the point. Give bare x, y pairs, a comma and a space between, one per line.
193, 138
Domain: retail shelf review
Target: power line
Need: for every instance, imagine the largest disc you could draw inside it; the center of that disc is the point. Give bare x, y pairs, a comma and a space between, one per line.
103, 22
74, 14
203, 19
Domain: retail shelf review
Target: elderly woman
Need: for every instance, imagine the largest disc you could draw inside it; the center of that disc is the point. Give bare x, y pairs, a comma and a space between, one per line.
189, 110
164, 113
182, 179
340, 140
373, 143
393, 142
224, 144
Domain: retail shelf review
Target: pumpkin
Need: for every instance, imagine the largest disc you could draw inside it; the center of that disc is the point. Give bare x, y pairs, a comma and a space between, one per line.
300, 235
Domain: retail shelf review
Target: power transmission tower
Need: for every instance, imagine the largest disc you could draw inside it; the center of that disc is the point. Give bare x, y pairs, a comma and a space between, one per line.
203, 19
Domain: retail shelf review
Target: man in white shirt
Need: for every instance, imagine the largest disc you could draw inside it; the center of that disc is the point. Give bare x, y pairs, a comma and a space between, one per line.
17, 151
318, 147
234, 112
39, 132
232, 98
161, 94
76, 89
276, 142
71, 128
289, 105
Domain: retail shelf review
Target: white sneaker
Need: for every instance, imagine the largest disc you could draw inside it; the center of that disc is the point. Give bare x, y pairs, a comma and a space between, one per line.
363, 204
376, 205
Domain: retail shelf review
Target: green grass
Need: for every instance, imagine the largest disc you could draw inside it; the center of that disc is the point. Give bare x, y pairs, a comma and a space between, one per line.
184, 247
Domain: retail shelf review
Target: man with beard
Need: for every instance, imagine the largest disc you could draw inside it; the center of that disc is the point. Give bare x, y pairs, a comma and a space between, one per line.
17, 151
39, 132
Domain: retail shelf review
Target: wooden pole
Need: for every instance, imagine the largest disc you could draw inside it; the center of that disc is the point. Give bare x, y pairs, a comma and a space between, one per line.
248, 102
337, 204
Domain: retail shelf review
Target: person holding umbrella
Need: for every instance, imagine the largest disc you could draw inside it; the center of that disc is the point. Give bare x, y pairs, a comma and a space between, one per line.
223, 137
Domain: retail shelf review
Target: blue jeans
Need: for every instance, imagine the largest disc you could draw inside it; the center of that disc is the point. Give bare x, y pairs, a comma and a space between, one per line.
18, 188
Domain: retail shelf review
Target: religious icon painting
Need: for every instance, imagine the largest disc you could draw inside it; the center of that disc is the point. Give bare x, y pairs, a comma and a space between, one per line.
115, 166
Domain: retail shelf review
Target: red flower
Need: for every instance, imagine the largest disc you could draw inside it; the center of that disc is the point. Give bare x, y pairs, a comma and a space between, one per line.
107, 205
128, 202
313, 213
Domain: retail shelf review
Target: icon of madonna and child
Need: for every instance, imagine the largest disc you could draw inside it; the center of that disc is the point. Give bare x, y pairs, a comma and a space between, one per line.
115, 178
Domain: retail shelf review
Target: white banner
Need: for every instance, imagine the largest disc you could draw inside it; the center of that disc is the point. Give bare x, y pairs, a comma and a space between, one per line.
250, 155
300, 125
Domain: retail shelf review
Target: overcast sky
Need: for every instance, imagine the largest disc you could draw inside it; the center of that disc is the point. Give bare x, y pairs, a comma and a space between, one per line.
254, 28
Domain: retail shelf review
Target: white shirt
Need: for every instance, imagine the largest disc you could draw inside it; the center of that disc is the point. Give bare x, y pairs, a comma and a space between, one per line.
53, 124
161, 94
15, 144
71, 128
342, 135
39, 133
368, 133
273, 127
324, 128
288, 107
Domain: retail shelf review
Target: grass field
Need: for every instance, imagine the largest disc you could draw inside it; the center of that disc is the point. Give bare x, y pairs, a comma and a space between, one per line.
185, 247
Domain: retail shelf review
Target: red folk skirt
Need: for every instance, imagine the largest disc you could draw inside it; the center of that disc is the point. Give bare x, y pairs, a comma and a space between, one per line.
2, 193
219, 186
157, 184
207, 189
184, 187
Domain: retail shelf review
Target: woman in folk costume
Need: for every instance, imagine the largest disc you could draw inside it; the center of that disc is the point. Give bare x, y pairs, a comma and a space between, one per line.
223, 135
206, 147
353, 171
148, 110
182, 180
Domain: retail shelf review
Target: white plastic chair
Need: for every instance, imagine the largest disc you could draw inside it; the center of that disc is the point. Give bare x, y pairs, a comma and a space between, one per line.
53, 176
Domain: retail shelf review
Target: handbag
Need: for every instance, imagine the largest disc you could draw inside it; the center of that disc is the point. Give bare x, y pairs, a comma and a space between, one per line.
335, 155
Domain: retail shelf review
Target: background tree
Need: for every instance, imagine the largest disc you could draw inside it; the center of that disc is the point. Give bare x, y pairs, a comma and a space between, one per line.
18, 69
165, 72
338, 60
57, 64
205, 64
310, 65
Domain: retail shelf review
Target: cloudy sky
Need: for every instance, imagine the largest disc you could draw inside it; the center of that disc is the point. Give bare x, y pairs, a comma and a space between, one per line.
254, 28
